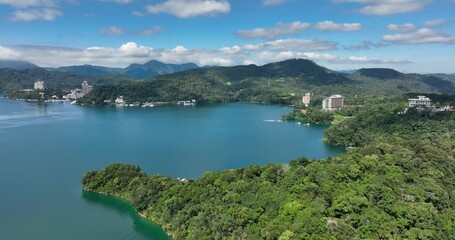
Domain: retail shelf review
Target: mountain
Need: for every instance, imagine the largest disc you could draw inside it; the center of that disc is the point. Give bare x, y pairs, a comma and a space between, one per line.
154, 68
305, 70
18, 65
390, 81
89, 70
137, 71
347, 71
271, 83
12, 79
380, 73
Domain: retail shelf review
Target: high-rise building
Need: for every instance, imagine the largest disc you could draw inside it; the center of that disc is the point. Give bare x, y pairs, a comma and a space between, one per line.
306, 99
39, 85
86, 88
333, 102
420, 101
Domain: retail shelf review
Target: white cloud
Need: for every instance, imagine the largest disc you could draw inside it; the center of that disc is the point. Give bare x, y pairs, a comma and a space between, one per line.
365, 45
28, 3
407, 27
265, 57
435, 23
150, 31
278, 30
191, 8
134, 53
6, 53
273, 2
249, 62
388, 7
137, 13
421, 36
367, 60
118, 1
179, 49
113, 30
121, 1
331, 26
46, 14
293, 44
231, 50
132, 49
31, 10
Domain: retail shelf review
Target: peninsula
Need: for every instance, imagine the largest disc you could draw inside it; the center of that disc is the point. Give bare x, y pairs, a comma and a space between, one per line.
397, 183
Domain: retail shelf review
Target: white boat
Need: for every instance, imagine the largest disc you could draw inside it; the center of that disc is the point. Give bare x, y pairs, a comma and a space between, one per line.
148, 105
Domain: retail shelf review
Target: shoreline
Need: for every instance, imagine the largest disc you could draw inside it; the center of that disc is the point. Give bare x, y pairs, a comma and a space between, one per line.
138, 214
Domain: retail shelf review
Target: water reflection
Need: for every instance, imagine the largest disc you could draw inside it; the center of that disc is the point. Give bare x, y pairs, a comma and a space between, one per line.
141, 225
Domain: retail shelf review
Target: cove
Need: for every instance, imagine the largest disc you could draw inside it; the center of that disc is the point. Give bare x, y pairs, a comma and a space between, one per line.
46, 148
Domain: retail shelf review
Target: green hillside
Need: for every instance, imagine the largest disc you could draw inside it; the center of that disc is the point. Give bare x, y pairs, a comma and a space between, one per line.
11, 79
137, 71
271, 83
399, 183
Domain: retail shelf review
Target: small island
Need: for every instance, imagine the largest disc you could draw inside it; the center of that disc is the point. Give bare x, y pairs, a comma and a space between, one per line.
396, 184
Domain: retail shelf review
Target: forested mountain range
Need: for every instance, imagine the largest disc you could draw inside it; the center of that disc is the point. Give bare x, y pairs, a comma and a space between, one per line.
136, 71
271, 83
16, 64
268, 83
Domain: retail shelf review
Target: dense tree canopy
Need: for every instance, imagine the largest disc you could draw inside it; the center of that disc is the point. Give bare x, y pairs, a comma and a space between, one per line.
399, 183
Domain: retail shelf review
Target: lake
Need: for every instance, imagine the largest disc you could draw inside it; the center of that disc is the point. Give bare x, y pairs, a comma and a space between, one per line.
45, 150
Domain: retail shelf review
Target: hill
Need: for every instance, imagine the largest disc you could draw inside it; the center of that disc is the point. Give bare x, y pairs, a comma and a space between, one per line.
18, 65
272, 83
269, 83
88, 70
11, 79
137, 71
155, 68
397, 184
391, 82
380, 73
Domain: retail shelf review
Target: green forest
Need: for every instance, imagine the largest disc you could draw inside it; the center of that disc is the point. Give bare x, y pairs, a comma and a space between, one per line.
271, 83
397, 183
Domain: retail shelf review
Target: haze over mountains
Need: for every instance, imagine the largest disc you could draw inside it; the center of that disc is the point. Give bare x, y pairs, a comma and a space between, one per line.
16, 64
150, 69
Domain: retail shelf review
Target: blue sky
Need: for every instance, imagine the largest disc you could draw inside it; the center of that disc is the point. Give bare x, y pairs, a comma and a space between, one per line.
407, 35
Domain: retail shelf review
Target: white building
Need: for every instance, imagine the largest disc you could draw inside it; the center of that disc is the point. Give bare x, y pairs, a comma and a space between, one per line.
306, 99
333, 102
86, 88
420, 101
39, 85
120, 101
74, 95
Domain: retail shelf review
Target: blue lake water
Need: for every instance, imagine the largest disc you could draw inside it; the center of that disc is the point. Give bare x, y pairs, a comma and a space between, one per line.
45, 150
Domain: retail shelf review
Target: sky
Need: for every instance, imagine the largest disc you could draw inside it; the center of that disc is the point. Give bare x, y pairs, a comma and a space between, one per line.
407, 35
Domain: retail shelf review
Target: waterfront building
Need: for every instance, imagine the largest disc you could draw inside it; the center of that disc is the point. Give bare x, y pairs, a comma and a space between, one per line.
74, 95
420, 101
120, 100
86, 88
333, 102
306, 99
